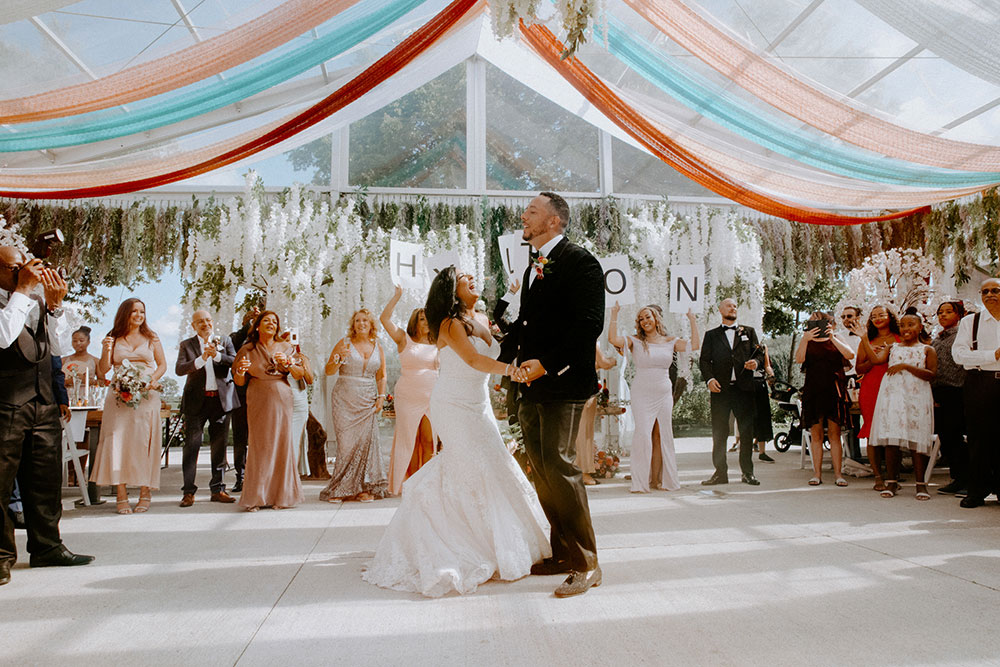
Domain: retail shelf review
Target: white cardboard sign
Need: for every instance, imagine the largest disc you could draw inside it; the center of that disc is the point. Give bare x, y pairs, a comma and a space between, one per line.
617, 281
406, 264
439, 261
687, 288
514, 255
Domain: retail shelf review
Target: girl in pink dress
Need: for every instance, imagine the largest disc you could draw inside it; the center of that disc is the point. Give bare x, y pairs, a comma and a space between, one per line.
413, 439
128, 452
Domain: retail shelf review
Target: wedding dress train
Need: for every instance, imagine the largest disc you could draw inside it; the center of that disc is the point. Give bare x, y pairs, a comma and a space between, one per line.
469, 514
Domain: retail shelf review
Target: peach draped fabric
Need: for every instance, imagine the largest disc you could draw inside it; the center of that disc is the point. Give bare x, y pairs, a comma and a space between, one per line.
250, 143
181, 68
622, 114
785, 91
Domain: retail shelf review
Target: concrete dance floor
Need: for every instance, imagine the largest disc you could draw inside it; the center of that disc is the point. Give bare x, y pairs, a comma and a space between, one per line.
780, 574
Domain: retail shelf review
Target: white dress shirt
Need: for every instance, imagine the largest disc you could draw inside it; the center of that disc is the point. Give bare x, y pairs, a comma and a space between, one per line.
544, 252
853, 341
201, 362
20, 310
987, 341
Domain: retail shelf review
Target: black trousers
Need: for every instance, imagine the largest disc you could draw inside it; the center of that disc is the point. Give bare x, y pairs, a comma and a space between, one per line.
982, 395
949, 422
241, 434
31, 452
739, 403
218, 433
549, 430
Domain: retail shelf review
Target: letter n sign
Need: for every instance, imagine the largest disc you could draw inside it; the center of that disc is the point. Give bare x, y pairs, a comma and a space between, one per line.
687, 288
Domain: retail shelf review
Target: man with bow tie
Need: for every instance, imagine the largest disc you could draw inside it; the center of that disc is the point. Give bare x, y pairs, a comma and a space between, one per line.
730, 353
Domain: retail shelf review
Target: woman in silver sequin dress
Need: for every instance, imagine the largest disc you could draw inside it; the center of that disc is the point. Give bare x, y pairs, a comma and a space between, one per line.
355, 404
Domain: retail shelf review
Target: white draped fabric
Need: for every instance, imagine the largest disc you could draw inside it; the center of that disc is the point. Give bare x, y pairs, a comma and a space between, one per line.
966, 33
17, 10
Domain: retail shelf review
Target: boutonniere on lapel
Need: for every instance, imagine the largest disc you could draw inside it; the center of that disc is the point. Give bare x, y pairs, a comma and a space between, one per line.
741, 333
542, 266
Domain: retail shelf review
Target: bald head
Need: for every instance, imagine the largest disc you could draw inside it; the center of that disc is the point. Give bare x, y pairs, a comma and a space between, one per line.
727, 308
202, 323
11, 260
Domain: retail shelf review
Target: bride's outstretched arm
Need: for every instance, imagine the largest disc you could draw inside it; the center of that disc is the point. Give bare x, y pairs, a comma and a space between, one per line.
454, 335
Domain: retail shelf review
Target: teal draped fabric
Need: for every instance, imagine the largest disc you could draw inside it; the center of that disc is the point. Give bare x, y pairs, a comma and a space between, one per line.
338, 35
777, 134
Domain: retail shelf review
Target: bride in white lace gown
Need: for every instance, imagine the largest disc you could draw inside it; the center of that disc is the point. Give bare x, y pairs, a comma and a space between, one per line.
469, 514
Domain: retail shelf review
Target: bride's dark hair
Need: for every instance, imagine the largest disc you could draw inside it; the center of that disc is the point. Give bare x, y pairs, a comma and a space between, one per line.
443, 303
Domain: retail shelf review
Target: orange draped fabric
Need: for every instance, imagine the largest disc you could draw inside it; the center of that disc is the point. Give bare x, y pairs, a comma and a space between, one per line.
623, 115
786, 92
391, 63
181, 68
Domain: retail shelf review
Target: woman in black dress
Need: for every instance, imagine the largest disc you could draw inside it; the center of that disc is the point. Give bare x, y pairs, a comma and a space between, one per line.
823, 357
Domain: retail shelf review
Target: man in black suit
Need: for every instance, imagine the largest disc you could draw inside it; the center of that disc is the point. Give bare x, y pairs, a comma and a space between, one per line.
32, 330
208, 396
561, 317
239, 415
730, 353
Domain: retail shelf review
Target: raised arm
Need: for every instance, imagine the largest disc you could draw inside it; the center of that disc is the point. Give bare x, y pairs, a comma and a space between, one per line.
842, 347
604, 363
682, 345
104, 363
613, 337
240, 367
397, 334
161, 361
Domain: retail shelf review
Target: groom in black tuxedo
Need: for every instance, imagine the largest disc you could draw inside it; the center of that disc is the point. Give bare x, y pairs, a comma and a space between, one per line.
730, 353
561, 317
209, 396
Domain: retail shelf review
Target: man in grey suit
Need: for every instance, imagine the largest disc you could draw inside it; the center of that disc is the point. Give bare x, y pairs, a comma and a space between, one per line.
209, 396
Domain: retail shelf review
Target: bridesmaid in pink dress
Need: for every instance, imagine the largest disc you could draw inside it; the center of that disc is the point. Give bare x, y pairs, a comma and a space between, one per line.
128, 452
413, 439
271, 478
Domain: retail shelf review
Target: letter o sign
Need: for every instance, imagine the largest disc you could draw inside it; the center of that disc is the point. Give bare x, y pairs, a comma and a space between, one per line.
614, 281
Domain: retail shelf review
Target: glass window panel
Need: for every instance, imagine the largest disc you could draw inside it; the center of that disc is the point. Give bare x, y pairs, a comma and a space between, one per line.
417, 141
30, 63
982, 129
841, 45
639, 173
756, 21
926, 94
534, 144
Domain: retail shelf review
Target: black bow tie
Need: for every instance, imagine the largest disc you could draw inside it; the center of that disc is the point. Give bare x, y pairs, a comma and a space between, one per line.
732, 328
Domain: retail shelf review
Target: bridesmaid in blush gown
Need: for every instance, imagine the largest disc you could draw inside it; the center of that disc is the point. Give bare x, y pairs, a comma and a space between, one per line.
355, 403
881, 333
128, 451
469, 515
271, 478
652, 394
413, 439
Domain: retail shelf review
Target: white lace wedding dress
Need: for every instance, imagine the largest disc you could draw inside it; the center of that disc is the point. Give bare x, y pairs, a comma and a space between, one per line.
469, 514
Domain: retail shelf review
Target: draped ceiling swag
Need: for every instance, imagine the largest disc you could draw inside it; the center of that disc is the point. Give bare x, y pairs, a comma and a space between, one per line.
804, 110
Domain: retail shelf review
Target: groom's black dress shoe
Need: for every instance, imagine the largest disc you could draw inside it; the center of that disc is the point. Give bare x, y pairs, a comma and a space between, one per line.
750, 479
551, 566
715, 479
5, 571
59, 557
578, 583
970, 502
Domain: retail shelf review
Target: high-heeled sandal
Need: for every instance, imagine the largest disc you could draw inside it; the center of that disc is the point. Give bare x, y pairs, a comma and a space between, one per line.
123, 507
891, 487
879, 485
143, 504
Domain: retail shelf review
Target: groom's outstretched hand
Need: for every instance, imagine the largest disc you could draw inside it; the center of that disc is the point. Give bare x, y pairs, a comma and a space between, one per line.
531, 370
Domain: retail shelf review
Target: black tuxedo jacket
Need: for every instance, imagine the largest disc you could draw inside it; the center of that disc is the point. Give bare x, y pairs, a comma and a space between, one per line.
194, 387
718, 359
561, 317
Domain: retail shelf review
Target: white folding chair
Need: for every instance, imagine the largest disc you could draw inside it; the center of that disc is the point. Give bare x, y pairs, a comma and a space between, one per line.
935, 449
71, 453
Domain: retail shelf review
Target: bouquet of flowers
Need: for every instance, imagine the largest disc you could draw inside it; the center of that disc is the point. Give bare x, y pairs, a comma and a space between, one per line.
606, 464
389, 405
129, 384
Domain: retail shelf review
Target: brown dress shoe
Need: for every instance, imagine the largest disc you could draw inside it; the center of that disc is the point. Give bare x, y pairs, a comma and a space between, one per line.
187, 500
222, 497
578, 583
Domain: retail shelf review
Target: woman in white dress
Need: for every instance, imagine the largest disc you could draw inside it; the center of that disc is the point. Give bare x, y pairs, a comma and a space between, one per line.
469, 514
652, 396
